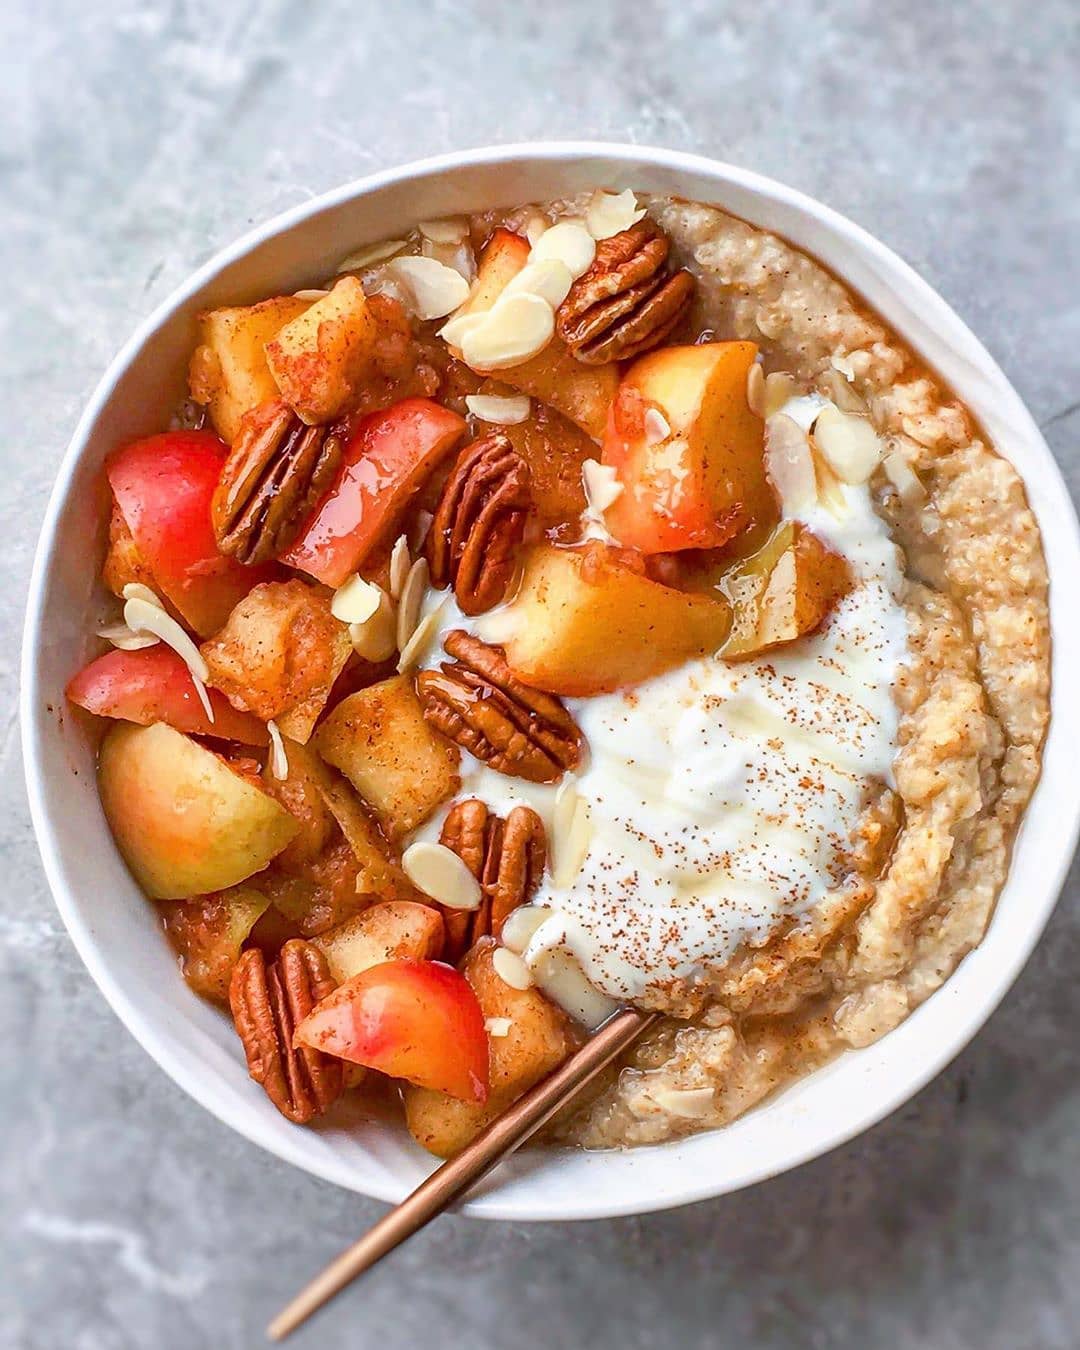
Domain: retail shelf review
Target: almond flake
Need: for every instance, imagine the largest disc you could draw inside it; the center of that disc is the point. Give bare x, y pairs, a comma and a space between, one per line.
779, 388
414, 650
509, 967
418, 531
439, 872
412, 599
520, 925
135, 590
373, 253
689, 1103
453, 331
849, 444
568, 241
311, 294
376, 638
498, 1026
843, 365
356, 600
451, 230
755, 390
657, 428
143, 616
559, 976
790, 464
602, 486
503, 412
279, 761
903, 478
435, 289
514, 329
550, 279
571, 833
121, 636
459, 256
535, 227
400, 562
610, 213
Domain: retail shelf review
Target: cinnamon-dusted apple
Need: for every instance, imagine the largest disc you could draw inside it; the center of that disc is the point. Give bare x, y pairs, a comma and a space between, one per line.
186, 822
783, 591
584, 623
229, 371
208, 932
384, 932
688, 450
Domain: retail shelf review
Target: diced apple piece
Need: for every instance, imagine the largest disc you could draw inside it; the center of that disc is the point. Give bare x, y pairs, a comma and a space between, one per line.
379, 875
318, 358
784, 591
380, 740
208, 932
581, 393
539, 1037
698, 486
321, 895
184, 821
555, 450
384, 932
416, 1020
301, 793
279, 654
584, 623
123, 563
229, 372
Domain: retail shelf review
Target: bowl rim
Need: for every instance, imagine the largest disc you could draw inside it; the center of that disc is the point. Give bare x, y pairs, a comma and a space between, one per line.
693, 1184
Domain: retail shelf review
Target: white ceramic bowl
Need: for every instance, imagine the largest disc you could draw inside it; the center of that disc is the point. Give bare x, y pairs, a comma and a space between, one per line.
116, 931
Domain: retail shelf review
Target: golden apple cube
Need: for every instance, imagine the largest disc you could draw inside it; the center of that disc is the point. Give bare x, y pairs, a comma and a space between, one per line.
229, 371
385, 932
185, 822
582, 623
318, 359
380, 740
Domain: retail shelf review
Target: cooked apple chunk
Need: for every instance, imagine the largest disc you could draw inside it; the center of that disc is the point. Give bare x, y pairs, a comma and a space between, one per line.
380, 740
539, 1036
279, 654
584, 623
186, 822
318, 358
208, 932
784, 591
229, 371
384, 932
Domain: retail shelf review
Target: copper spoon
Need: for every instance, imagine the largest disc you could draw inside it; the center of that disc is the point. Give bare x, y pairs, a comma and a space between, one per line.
450, 1181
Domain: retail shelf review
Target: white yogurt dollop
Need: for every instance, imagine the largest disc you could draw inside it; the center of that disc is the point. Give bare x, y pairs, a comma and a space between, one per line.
723, 796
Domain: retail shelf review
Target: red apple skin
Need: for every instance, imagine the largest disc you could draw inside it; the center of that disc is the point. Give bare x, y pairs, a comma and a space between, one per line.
154, 685
389, 455
417, 1020
163, 486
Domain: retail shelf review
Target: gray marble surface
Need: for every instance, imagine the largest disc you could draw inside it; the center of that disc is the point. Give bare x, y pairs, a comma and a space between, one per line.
135, 139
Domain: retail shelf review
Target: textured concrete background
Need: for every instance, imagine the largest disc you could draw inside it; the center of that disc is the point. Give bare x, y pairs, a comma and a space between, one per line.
136, 139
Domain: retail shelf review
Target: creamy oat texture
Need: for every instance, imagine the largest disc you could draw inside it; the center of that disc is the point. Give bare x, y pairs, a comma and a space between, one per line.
933, 680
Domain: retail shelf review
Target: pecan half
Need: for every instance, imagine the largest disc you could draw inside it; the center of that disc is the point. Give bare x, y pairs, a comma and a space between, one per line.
275, 474
628, 300
506, 857
267, 1004
479, 523
477, 702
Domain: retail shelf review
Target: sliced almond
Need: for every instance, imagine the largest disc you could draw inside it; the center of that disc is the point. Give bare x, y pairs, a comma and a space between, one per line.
550, 279
141, 616
520, 925
509, 967
415, 649
571, 834
494, 408
400, 562
279, 761
355, 601
459, 256
559, 976
689, 1103
439, 872
376, 638
371, 254
848, 443
450, 230
790, 464
514, 329
412, 599
904, 479
535, 226
135, 590
755, 390
310, 294
498, 1026
780, 387
568, 241
602, 486
121, 636
657, 428
454, 330
610, 213
435, 289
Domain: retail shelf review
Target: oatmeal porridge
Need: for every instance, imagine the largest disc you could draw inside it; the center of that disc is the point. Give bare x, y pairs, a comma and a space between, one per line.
580, 605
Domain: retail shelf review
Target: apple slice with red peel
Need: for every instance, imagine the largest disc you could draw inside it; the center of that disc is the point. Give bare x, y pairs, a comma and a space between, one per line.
154, 685
416, 1020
